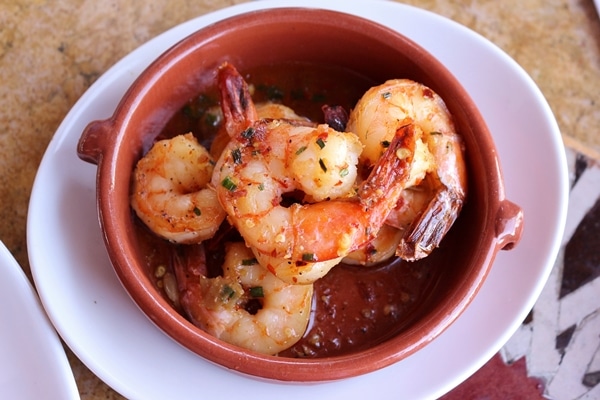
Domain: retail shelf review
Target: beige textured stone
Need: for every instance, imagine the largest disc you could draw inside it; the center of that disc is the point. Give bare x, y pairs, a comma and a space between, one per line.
52, 51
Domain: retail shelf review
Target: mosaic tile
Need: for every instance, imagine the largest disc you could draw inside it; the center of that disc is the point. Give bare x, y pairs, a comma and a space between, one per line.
582, 258
558, 345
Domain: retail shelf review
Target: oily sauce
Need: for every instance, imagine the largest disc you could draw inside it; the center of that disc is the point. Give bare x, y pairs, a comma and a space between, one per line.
353, 307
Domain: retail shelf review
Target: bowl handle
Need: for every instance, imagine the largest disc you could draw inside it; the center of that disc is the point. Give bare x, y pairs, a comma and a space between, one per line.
93, 141
509, 224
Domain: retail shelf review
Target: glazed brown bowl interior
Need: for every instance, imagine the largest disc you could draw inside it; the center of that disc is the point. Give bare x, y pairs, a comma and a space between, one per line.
454, 272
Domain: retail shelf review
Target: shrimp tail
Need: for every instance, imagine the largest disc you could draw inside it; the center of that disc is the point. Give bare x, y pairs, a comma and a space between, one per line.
383, 184
428, 230
239, 111
189, 268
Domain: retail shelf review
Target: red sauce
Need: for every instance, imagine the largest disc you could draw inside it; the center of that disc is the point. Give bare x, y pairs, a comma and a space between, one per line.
353, 307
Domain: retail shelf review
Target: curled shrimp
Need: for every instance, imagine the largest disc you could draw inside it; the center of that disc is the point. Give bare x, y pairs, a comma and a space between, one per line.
250, 179
170, 192
247, 306
253, 173
438, 180
323, 166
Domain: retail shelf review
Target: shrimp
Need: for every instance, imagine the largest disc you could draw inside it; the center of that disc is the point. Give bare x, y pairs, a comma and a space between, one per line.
170, 192
253, 173
439, 170
251, 177
247, 306
323, 166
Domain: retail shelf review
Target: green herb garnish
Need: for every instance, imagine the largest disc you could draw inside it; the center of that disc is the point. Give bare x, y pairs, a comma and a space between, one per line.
227, 293
309, 257
236, 154
256, 292
228, 184
300, 150
322, 164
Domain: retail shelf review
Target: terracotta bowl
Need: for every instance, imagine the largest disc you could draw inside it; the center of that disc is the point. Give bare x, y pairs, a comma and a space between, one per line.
449, 278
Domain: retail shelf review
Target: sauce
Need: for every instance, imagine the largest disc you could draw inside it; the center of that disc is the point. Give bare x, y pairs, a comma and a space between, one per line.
356, 307
353, 307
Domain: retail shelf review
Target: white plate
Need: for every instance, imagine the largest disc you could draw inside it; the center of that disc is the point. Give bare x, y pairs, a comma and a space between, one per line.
116, 341
33, 363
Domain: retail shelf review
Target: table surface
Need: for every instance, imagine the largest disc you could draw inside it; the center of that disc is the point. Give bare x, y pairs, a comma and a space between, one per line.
51, 52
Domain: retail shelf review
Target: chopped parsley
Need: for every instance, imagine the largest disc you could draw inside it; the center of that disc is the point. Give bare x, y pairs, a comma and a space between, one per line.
309, 257
227, 293
228, 184
300, 150
322, 164
236, 154
256, 292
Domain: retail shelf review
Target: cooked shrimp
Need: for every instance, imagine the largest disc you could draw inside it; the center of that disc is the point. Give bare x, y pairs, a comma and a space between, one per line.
439, 166
170, 192
251, 178
323, 167
247, 306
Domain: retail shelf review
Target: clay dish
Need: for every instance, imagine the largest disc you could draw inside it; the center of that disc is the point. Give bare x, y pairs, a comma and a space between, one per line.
452, 275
